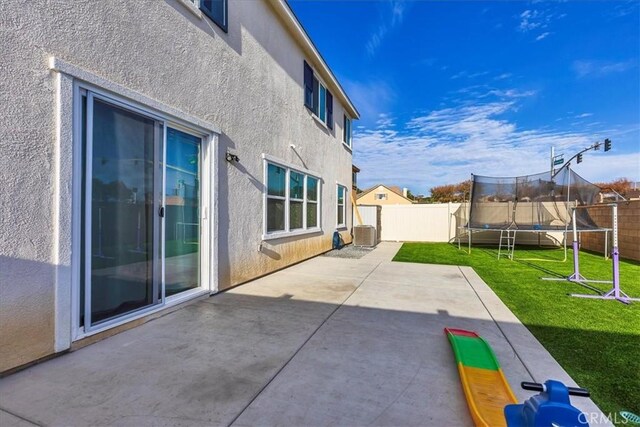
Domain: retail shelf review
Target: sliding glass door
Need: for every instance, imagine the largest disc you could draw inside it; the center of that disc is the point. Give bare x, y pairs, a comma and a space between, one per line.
183, 205
142, 231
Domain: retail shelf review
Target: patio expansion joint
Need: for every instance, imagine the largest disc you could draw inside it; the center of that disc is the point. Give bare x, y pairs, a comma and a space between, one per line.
27, 420
498, 325
315, 331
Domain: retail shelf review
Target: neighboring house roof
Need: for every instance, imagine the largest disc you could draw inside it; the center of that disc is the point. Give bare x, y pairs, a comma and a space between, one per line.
393, 189
396, 190
355, 168
292, 23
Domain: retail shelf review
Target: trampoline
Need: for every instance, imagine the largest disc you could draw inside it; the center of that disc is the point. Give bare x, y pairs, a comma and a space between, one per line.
539, 203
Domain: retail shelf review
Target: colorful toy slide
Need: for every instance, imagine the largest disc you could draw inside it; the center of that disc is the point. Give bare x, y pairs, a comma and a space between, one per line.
485, 387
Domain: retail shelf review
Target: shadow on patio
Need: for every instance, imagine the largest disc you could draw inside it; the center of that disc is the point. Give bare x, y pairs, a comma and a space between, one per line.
328, 341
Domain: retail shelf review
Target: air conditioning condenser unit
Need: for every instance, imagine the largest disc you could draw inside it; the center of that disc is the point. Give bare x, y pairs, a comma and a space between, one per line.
364, 235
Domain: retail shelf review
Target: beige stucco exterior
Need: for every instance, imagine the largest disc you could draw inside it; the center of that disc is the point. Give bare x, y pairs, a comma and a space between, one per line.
389, 197
246, 83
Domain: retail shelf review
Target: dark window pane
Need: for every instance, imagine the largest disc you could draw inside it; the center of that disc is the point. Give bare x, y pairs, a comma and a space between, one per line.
347, 131
329, 110
344, 128
340, 215
316, 98
295, 215
216, 10
182, 212
122, 211
340, 195
275, 215
312, 215
322, 109
308, 86
276, 180
312, 188
296, 185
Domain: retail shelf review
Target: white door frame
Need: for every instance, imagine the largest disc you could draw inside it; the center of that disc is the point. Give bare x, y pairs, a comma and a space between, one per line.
209, 217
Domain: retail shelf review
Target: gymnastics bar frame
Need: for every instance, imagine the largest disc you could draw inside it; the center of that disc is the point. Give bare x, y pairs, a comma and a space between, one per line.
616, 292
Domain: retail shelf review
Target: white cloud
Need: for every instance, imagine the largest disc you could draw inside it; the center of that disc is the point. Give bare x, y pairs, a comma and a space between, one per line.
511, 93
447, 145
585, 68
372, 97
469, 75
583, 115
543, 36
393, 15
538, 20
503, 76
620, 166
384, 121
529, 20
623, 9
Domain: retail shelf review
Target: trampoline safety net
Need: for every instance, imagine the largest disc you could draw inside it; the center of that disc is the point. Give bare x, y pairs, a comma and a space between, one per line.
532, 202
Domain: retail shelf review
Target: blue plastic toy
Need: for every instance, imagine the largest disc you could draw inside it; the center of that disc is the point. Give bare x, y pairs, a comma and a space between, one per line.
551, 407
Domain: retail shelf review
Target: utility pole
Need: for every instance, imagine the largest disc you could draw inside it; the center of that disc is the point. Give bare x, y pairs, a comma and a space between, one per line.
555, 161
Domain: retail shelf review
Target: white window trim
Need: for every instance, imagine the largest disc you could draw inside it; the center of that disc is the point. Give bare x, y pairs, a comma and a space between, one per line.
192, 7
307, 201
319, 121
342, 226
348, 145
303, 199
267, 159
70, 80
315, 116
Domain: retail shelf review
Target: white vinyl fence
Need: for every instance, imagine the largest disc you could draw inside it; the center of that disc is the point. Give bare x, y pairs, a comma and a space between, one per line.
437, 223
419, 223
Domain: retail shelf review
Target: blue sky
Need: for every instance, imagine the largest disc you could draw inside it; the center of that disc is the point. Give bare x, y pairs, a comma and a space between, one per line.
450, 88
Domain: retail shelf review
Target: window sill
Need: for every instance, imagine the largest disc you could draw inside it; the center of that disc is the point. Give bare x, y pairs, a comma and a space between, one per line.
284, 234
191, 7
320, 122
341, 228
347, 146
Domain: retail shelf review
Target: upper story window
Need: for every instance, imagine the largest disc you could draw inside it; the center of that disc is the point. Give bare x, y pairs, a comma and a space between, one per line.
216, 10
346, 131
381, 196
317, 97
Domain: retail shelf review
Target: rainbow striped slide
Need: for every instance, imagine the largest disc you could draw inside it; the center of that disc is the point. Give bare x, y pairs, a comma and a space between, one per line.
485, 387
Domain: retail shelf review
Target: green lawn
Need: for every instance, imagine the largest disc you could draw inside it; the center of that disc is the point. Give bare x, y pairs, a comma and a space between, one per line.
596, 341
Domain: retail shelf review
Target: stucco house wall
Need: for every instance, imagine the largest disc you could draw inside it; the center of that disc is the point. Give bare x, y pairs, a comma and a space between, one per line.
247, 82
369, 198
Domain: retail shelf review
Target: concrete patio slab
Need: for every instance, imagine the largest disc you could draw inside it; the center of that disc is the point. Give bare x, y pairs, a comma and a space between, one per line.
329, 341
10, 420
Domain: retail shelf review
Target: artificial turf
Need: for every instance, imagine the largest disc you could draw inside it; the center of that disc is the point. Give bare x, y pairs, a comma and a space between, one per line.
597, 342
